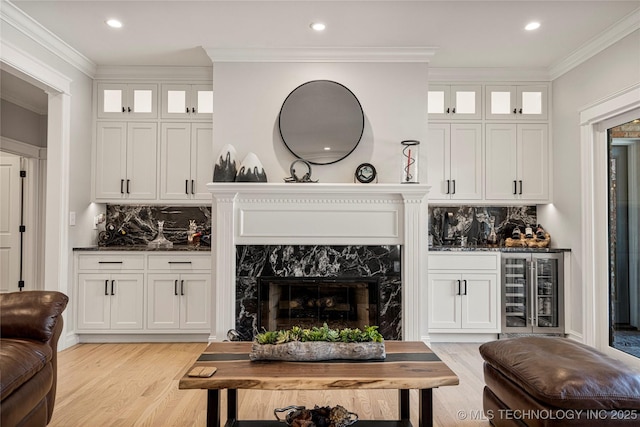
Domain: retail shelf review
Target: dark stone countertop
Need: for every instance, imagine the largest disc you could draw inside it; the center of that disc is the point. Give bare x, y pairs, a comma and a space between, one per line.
503, 249
144, 248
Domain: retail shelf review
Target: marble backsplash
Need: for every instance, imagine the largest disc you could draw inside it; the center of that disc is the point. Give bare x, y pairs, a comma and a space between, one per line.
138, 225
449, 225
381, 262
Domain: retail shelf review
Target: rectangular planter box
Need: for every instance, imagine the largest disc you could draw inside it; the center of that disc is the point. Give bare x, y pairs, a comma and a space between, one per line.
311, 351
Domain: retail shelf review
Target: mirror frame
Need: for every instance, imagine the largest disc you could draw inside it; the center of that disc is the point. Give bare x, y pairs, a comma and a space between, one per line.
361, 119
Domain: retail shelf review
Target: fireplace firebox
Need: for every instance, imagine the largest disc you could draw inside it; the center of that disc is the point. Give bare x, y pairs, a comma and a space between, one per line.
341, 303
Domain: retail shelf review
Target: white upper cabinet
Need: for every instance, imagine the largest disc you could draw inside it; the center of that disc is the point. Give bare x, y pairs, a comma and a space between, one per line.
454, 161
516, 102
187, 101
455, 102
136, 101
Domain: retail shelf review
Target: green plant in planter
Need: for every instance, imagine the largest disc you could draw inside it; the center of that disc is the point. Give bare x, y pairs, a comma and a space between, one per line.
323, 333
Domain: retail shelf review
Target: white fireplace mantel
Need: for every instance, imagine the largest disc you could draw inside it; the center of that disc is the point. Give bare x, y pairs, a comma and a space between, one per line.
328, 214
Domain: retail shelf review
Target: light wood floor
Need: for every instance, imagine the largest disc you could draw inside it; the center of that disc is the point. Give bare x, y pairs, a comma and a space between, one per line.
137, 385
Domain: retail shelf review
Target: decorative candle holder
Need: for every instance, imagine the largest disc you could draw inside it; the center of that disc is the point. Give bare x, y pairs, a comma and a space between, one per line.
410, 155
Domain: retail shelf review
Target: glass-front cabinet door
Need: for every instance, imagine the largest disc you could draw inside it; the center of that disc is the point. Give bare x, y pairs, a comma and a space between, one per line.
516, 102
187, 101
116, 100
548, 292
515, 277
453, 102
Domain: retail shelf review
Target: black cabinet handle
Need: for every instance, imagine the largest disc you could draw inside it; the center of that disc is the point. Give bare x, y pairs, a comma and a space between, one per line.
109, 262
128, 185
453, 110
515, 111
193, 187
465, 287
181, 287
454, 187
193, 110
448, 110
122, 186
458, 288
515, 187
128, 109
112, 291
179, 262
187, 110
520, 111
175, 288
106, 284
123, 110
186, 186
448, 186
520, 187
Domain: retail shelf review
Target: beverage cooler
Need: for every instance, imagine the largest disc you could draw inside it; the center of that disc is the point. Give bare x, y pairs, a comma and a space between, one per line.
532, 294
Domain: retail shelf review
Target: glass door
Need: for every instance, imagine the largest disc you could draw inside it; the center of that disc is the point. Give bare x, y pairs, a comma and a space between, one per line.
515, 279
548, 290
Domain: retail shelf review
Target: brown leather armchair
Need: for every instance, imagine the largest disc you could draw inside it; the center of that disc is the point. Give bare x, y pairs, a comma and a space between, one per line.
30, 325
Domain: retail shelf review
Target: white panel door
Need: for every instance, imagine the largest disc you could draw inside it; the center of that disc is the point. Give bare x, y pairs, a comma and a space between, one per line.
479, 301
195, 304
533, 162
127, 305
9, 222
201, 160
111, 160
466, 161
142, 160
444, 301
163, 301
94, 301
438, 161
175, 163
501, 174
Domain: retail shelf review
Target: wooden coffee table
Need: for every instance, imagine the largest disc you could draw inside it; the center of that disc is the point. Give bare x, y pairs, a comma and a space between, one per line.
409, 365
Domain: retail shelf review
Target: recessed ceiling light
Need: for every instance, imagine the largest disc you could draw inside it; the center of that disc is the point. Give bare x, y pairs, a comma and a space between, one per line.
532, 26
114, 23
318, 26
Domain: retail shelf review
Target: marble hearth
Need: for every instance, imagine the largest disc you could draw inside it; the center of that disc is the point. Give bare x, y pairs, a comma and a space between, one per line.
352, 222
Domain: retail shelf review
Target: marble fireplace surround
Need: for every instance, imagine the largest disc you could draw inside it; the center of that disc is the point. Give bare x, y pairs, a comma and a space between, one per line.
320, 214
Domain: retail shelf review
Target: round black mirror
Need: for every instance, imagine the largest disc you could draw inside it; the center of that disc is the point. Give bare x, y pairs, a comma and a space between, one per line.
321, 121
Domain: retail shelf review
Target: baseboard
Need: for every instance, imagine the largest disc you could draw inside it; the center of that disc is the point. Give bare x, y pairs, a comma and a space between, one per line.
462, 338
576, 336
70, 339
141, 338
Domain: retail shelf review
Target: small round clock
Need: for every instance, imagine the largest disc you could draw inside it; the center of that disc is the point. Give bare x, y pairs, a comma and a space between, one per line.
365, 173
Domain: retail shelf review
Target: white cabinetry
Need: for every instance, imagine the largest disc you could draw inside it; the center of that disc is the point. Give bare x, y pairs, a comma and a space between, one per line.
186, 150
454, 161
179, 297
187, 101
455, 102
517, 162
126, 159
136, 101
464, 293
143, 293
110, 293
516, 102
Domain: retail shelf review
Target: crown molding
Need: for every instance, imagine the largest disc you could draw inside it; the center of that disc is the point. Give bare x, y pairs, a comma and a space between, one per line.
488, 74
11, 15
323, 54
612, 35
142, 73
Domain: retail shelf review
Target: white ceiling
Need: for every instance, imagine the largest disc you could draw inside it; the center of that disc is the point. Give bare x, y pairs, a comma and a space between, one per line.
466, 33
486, 34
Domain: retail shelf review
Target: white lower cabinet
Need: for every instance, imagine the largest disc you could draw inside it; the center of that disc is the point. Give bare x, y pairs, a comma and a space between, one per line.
178, 301
464, 292
110, 301
143, 293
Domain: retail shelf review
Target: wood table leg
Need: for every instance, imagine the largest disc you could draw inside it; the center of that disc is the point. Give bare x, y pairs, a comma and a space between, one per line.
232, 404
213, 408
405, 413
425, 410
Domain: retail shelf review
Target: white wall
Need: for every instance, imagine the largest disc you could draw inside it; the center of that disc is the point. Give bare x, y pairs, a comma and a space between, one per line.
22, 125
614, 69
248, 97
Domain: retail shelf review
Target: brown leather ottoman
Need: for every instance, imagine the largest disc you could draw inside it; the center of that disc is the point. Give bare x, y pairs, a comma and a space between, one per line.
550, 381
